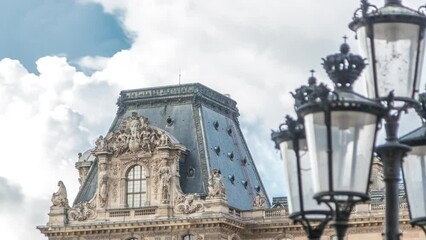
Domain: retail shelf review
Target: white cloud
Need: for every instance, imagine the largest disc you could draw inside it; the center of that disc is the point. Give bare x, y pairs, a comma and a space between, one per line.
46, 120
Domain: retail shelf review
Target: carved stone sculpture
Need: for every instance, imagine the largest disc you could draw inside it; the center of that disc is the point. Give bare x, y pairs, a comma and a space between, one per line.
103, 191
134, 135
101, 144
166, 176
188, 204
164, 140
82, 211
59, 198
216, 187
259, 201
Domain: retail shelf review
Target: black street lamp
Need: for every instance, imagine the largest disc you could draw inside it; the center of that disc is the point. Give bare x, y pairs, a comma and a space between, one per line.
303, 209
392, 37
341, 126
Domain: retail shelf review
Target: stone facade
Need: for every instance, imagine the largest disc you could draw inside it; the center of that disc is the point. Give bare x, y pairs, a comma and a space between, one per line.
132, 185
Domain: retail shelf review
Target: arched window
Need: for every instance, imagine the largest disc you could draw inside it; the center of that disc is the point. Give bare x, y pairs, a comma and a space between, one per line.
189, 237
136, 187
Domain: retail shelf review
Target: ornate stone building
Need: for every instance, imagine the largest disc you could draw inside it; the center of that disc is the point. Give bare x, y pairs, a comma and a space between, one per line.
175, 166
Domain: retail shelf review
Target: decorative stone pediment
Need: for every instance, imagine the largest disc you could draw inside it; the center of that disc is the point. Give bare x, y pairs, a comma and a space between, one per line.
134, 136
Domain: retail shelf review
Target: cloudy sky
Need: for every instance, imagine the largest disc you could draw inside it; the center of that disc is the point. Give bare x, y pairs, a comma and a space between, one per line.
63, 63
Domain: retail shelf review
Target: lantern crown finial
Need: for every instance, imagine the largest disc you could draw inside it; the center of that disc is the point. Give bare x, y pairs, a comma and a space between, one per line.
312, 80
343, 68
310, 93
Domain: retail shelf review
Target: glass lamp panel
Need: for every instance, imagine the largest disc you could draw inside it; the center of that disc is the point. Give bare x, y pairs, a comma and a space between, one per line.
291, 177
353, 135
414, 167
366, 51
395, 48
316, 136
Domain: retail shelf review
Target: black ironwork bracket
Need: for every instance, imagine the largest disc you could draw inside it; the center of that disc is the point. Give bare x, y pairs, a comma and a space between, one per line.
365, 9
314, 232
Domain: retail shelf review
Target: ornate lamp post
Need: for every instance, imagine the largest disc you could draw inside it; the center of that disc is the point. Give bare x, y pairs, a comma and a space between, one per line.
392, 38
340, 131
341, 125
290, 139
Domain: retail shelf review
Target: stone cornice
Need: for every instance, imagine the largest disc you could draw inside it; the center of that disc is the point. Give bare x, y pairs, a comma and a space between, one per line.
177, 93
144, 225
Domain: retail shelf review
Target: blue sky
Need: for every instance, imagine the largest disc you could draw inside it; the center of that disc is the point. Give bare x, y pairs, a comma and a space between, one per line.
50, 109
31, 29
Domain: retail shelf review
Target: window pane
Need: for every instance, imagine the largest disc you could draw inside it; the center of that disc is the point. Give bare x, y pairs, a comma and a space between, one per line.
129, 200
136, 187
143, 199
130, 175
143, 186
130, 187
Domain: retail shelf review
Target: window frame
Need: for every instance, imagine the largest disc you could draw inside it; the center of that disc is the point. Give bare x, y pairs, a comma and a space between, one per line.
136, 186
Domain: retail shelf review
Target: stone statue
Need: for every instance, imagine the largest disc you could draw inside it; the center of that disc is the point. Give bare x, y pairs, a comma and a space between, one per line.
166, 176
216, 187
259, 201
101, 144
59, 198
164, 140
103, 191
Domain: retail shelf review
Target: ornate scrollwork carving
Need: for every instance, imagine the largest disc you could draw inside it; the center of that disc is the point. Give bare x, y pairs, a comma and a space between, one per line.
59, 198
259, 201
188, 204
82, 211
134, 135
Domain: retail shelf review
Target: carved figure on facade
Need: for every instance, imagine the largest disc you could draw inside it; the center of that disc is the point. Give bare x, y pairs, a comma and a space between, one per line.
216, 187
134, 135
103, 191
59, 198
164, 140
165, 176
188, 204
259, 201
82, 211
101, 144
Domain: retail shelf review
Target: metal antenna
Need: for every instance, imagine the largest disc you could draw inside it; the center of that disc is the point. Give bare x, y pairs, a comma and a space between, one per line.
179, 76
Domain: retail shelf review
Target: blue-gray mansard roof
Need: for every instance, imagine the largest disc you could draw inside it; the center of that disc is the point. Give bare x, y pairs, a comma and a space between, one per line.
205, 121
